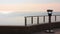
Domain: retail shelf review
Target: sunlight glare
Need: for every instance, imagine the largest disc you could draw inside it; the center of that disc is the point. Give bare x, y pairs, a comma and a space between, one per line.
6, 12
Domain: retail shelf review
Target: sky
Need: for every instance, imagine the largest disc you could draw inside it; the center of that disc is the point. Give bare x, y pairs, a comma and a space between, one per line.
29, 5
16, 6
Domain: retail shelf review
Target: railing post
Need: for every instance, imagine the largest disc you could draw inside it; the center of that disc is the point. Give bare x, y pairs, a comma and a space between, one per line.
55, 18
37, 19
31, 19
44, 19
25, 21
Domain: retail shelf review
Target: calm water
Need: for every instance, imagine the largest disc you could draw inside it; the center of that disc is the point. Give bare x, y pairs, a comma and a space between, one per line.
17, 19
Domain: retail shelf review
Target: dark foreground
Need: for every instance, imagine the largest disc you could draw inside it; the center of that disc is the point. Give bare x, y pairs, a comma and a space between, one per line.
56, 31
35, 29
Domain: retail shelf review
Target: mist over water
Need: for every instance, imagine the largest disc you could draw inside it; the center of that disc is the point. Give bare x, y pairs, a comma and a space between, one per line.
17, 19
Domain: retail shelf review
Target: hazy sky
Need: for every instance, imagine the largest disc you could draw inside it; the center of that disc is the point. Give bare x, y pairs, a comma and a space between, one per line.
29, 5
8, 6
28, 1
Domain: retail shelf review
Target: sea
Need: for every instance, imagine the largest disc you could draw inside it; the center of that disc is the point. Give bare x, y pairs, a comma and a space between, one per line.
18, 19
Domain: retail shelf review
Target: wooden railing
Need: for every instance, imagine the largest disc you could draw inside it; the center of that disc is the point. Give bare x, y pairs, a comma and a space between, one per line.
38, 19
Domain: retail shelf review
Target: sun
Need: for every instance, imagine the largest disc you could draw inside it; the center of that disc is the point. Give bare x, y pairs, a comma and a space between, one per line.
6, 12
